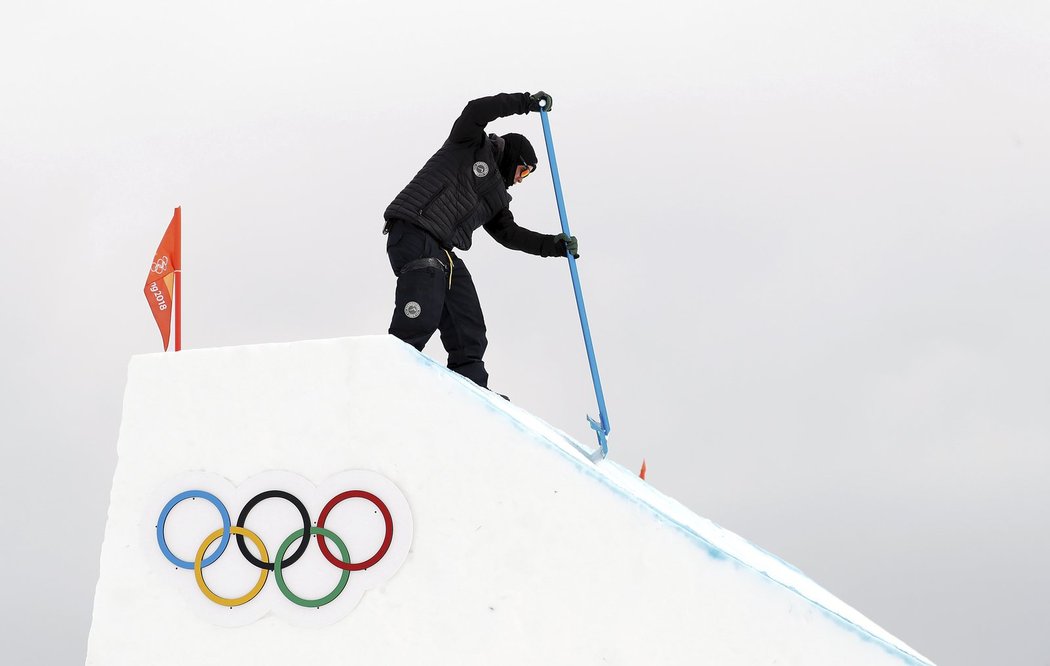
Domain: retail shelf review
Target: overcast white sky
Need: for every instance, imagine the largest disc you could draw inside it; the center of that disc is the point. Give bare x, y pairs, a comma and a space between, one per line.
814, 248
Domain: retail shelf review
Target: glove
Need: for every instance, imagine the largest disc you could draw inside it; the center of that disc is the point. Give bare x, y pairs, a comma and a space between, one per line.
534, 101
568, 244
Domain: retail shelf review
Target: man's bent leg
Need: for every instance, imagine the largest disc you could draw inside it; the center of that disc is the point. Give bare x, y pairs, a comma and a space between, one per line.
421, 284
463, 327
418, 302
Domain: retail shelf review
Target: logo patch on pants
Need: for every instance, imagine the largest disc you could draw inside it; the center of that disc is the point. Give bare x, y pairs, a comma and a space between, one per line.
412, 310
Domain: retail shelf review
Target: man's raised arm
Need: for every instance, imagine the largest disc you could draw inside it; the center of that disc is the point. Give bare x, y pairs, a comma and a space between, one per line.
470, 126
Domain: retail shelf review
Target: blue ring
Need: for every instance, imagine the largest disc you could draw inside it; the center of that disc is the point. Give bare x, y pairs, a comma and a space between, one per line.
183, 564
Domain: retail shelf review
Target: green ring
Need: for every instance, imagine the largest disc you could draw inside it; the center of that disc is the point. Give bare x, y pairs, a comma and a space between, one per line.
279, 575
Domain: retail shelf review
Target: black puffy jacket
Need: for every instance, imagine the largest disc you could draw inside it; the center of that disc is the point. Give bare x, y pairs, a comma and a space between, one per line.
460, 188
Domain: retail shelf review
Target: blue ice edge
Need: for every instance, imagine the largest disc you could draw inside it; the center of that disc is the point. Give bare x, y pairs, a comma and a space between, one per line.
573, 451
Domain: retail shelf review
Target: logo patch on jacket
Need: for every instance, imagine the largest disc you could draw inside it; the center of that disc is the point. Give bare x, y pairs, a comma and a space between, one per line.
481, 169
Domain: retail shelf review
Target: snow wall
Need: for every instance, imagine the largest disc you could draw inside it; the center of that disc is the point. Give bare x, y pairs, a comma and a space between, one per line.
498, 541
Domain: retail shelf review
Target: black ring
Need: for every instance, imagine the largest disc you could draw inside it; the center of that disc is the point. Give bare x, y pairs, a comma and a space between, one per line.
306, 527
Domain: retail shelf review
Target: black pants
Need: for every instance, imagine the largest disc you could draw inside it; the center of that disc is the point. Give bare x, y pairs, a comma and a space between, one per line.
426, 300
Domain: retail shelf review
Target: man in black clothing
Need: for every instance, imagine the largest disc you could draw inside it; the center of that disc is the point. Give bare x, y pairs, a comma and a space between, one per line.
462, 187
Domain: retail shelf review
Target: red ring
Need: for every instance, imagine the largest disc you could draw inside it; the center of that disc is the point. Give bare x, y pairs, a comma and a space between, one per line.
347, 566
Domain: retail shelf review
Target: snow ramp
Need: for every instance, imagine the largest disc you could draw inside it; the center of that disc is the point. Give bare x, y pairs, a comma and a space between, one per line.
448, 526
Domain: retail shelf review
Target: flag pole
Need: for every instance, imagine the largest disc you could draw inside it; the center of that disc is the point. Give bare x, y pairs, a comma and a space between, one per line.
178, 279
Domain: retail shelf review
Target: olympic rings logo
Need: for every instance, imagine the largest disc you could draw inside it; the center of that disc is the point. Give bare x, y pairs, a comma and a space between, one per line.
160, 265
373, 512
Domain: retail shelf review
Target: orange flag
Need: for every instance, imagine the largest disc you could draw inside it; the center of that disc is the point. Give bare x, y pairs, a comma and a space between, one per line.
162, 280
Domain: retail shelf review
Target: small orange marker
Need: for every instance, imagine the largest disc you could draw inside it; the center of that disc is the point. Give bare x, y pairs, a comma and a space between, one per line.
642, 473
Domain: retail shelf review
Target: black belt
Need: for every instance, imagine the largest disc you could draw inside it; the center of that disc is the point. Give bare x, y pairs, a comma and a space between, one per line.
426, 262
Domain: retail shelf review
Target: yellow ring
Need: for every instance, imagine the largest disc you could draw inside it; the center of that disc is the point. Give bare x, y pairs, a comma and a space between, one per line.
199, 573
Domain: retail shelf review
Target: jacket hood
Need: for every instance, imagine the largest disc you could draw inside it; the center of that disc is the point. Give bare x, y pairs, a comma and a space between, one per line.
516, 150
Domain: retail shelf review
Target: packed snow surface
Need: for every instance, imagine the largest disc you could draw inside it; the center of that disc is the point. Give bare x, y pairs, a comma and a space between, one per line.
523, 550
